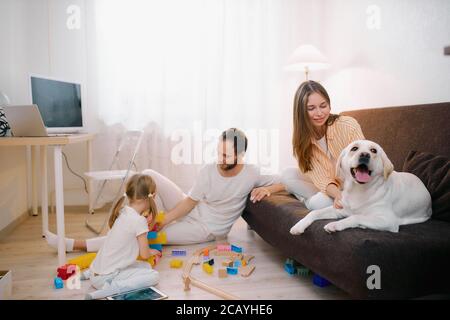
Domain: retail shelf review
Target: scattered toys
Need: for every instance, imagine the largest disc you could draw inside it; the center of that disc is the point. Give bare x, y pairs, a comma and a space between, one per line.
58, 282
176, 263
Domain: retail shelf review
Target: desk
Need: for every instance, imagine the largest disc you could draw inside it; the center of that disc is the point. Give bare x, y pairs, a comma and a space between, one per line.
58, 142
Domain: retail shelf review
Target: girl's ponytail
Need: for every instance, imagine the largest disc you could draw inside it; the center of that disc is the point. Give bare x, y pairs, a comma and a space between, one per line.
116, 210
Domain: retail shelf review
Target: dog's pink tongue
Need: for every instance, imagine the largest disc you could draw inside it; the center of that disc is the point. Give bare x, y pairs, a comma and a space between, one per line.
362, 175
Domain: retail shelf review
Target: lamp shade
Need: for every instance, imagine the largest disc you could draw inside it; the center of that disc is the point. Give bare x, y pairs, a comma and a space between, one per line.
307, 57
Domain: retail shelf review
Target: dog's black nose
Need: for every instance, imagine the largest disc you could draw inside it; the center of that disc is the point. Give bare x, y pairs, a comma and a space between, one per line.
364, 157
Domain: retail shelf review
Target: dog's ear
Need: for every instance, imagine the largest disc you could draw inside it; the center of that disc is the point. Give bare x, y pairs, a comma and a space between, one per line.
339, 173
388, 167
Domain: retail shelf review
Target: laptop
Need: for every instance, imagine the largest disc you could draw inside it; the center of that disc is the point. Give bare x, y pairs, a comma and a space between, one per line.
26, 121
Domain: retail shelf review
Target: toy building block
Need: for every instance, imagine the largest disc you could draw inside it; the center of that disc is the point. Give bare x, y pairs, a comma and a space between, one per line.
208, 268
320, 282
211, 262
223, 247
58, 282
179, 253
236, 249
160, 217
232, 271
244, 263
302, 271
290, 262
155, 227
206, 252
66, 271
227, 263
289, 269
83, 261
161, 238
152, 235
237, 263
223, 273
176, 263
156, 246
246, 271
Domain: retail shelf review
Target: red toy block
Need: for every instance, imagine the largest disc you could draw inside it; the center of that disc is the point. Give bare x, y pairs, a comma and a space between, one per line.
66, 271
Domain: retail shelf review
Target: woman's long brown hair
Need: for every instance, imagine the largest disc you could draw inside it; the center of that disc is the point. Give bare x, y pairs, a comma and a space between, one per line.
139, 186
303, 128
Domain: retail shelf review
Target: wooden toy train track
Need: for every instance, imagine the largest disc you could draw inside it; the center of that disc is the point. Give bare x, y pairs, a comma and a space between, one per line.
189, 280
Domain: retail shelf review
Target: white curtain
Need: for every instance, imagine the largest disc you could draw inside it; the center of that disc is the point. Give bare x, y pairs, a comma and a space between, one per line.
197, 67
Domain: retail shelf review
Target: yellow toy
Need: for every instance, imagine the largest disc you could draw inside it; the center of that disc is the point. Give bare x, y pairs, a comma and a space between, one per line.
176, 263
160, 217
161, 238
208, 268
83, 261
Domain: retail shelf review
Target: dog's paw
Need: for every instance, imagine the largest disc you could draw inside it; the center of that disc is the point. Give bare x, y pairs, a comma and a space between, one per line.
331, 227
299, 228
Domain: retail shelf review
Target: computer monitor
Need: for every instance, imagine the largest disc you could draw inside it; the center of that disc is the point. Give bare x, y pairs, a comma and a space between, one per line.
59, 103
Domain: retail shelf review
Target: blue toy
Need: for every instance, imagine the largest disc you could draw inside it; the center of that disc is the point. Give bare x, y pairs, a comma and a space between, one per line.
320, 282
156, 246
59, 284
152, 235
236, 249
179, 253
289, 269
232, 271
237, 264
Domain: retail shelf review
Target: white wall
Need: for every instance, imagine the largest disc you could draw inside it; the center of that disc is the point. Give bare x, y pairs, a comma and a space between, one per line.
25, 27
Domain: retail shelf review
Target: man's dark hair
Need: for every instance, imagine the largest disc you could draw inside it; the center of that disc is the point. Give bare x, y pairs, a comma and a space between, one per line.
238, 137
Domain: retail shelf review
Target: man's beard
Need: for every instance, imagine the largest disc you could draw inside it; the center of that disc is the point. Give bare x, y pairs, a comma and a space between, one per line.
227, 167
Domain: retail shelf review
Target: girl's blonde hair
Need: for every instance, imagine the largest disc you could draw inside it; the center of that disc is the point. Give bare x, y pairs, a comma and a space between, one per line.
303, 129
139, 186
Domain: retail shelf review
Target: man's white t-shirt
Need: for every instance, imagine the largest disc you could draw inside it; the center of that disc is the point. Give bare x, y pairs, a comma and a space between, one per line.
222, 199
121, 247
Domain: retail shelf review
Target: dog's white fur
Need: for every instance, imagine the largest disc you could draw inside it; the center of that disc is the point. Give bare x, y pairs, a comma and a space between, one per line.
388, 200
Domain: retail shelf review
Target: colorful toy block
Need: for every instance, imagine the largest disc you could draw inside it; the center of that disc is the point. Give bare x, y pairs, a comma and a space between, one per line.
244, 263
289, 269
223, 273
66, 271
290, 262
58, 282
320, 282
179, 253
232, 271
236, 249
208, 268
160, 217
161, 238
223, 247
176, 263
227, 263
206, 252
155, 227
237, 263
156, 246
152, 235
246, 271
302, 271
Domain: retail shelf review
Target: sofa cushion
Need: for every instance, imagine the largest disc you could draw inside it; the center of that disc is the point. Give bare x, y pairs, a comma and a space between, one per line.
434, 171
413, 262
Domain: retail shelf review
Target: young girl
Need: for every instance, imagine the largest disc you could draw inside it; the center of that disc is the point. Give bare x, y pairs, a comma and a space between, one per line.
115, 269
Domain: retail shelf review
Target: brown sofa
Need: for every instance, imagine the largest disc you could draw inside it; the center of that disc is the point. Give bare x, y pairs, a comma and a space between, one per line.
415, 262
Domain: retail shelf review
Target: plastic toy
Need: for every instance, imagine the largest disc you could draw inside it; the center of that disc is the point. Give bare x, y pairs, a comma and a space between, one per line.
156, 246
236, 249
320, 282
223, 273
66, 271
83, 261
232, 271
237, 263
58, 282
176, 263
289, 269
161, 238
302, 271
152, 235
178, 253
208, 268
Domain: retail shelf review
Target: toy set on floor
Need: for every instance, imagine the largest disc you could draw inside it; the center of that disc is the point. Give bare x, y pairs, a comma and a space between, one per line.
292, 267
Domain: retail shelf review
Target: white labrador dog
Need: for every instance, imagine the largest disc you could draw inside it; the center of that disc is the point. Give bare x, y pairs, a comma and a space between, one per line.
374, 196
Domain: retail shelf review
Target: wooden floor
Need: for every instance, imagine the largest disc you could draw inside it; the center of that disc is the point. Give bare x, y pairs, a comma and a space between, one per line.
33, 264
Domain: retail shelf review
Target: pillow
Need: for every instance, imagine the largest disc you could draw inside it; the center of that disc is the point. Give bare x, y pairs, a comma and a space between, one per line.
434, 171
